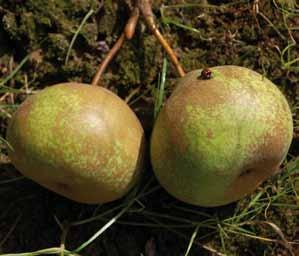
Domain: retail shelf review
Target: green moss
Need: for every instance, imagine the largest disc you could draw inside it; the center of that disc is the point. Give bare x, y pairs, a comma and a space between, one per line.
128, 69
192, 59
288, 3
109, 21
152, 57
49, 26
10, 24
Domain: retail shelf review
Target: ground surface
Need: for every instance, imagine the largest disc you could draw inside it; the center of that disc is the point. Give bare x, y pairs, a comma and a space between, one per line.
36, 34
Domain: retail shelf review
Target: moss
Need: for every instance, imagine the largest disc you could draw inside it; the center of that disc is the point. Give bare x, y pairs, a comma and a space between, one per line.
10, 25
109, 20
90, 34
152, 58
128, 68
288, 3
56, 47
192, 59
49, 26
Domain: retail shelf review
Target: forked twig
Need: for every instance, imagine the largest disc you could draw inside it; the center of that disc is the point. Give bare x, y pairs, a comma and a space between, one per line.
145, 7
146, 10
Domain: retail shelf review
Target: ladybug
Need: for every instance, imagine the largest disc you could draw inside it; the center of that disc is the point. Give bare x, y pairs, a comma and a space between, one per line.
206, 74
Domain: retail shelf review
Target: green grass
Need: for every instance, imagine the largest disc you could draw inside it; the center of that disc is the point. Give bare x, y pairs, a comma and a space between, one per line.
159, 93
176, 22
87, 16
166, 20
249, 219
48, 251
4, 81
288, 54
287, 5
192, 239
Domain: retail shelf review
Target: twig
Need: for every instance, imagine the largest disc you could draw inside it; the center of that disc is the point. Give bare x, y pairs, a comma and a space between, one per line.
131, 24
108, 59
143, 6
146, 10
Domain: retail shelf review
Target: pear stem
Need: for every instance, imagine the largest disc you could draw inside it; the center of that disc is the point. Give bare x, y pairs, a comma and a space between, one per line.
108, 58
146, 9
127, 33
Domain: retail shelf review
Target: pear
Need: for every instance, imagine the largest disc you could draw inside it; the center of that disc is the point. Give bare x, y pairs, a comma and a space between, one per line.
78, 140
221, 133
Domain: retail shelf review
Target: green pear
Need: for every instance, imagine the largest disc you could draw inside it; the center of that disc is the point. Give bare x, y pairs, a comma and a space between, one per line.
220, 135
78, 140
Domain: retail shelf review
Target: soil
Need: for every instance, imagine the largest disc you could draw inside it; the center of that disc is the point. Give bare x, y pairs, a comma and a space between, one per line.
260, 35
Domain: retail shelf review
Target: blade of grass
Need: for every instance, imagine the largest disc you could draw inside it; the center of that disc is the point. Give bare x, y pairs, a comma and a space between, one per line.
105, 227
63, 239
87, 16
5, 89
208, 223
272, 25
223, 235
7, 144
97, 217
196, 212
100, 216
289, 63
48, 251
192, 240
239, 228
265, 239
238, 217
14, 72
161, 88
12, 228
275, 228
149, 224
206, 247
3, 182
169, 21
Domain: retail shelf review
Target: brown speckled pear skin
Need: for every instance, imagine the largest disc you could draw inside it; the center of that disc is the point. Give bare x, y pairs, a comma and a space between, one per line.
80, 141
217, 139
